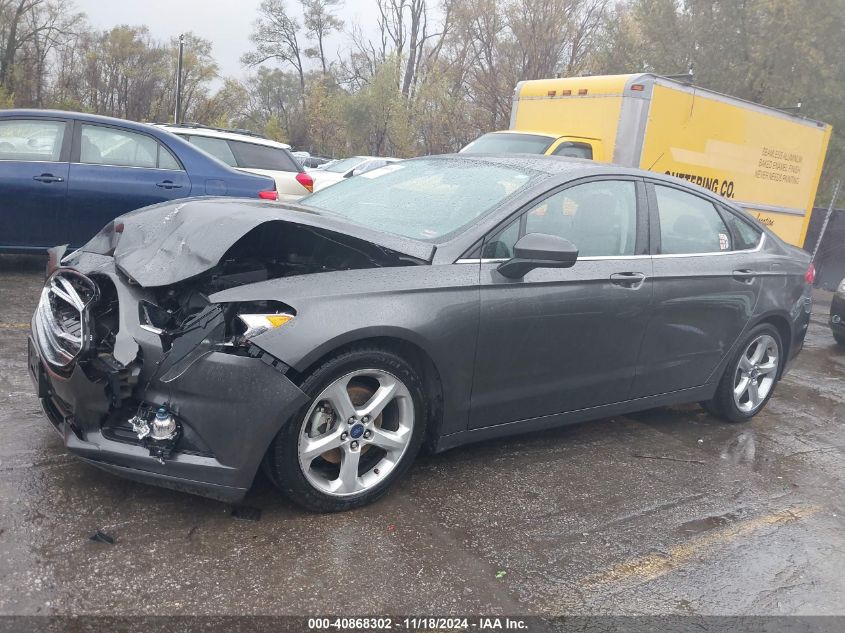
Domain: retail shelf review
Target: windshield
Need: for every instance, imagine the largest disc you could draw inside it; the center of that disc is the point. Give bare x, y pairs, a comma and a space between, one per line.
345, 165
507, 143
423, 199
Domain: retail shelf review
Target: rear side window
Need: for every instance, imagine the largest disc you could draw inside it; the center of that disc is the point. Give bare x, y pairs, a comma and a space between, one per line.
217, 147
31, 140
745, 236
166, 160
100, 145
254, 156
689, 224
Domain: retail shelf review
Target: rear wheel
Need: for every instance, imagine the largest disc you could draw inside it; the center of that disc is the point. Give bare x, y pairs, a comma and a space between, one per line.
751, 376
359, 433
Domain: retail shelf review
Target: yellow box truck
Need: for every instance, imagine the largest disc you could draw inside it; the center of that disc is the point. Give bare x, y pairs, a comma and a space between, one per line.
765, 160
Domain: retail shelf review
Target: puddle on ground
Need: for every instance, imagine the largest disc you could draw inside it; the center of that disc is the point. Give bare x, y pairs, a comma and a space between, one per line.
698, 526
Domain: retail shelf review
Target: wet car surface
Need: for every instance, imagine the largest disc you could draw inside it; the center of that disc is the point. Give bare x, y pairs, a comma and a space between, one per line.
665, 511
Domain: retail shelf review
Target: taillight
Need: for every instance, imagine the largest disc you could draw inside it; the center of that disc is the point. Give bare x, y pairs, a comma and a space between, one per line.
810, 276
305, 180
268, 195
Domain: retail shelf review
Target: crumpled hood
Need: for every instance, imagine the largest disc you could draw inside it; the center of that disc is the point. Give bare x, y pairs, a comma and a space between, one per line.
166, 243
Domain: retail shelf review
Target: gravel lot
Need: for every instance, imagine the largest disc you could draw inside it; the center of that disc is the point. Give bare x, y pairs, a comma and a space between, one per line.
667, 511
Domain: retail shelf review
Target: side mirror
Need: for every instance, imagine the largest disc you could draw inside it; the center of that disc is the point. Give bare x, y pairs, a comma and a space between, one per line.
539, 250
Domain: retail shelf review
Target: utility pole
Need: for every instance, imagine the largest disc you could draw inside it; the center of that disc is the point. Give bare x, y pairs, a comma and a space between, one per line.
177, 115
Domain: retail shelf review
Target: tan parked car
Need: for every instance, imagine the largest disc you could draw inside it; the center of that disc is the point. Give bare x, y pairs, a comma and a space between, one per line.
253, 153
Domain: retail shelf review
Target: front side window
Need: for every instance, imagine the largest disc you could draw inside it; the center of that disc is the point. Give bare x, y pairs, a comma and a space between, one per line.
574, 150
689, 224
600, 218
500, 245
101, 145
31, 140
423, 198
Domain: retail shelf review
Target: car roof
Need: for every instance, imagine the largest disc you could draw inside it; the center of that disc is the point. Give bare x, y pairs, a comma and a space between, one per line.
549, 165
567, 168
229, 135
79, 116
531, 132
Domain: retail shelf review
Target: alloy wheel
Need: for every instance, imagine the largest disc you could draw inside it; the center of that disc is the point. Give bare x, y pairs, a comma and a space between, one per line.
756, 373
356, 432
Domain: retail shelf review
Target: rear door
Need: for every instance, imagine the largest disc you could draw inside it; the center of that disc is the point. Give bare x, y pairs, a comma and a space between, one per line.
706, 285
33, 181
114, 170
559, 340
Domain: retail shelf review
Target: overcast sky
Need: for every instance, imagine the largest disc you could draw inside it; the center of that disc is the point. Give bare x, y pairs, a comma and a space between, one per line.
227, 24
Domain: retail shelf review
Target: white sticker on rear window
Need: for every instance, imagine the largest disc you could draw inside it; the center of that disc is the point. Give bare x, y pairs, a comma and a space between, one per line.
382, 171
724, 242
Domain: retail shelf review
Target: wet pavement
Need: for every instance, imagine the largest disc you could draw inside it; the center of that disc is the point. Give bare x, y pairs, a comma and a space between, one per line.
664, 512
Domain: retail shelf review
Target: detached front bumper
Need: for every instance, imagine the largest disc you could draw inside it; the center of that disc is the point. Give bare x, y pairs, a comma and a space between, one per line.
229, 409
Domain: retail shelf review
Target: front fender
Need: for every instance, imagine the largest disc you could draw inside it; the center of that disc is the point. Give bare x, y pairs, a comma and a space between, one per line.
433, 307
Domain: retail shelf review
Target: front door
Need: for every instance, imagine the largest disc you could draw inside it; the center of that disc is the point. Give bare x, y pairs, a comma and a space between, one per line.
33, 182
705, 290
115, 170
559, 340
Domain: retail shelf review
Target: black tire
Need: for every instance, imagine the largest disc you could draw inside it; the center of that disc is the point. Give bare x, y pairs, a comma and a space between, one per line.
839, 338
283, 459
723, 405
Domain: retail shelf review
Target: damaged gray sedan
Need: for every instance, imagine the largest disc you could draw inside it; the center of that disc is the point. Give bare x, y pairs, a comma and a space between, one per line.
435, 301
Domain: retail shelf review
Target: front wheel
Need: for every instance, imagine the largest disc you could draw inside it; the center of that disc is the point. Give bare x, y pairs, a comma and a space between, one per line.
359, 433
839, 338
751, 376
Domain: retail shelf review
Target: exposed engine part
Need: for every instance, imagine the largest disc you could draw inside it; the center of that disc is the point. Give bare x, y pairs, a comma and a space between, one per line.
140, 426
159, 432
164, 425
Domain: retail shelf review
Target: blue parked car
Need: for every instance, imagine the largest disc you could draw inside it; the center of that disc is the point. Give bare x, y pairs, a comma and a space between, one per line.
64, 175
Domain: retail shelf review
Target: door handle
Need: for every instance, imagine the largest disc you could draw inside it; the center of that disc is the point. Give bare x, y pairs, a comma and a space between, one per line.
168, 184
48, 178
627, 280
744, 275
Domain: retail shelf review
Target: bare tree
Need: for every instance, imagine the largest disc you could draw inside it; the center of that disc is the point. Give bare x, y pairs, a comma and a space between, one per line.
276, 36
320, 21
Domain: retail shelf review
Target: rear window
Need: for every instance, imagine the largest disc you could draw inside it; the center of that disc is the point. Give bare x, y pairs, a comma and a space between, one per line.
253, 156
499, 143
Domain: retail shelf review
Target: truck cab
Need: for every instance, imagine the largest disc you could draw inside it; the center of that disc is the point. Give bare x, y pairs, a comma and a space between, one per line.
519, 142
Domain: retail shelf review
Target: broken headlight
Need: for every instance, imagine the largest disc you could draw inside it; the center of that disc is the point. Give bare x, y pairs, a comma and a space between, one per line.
256, 324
